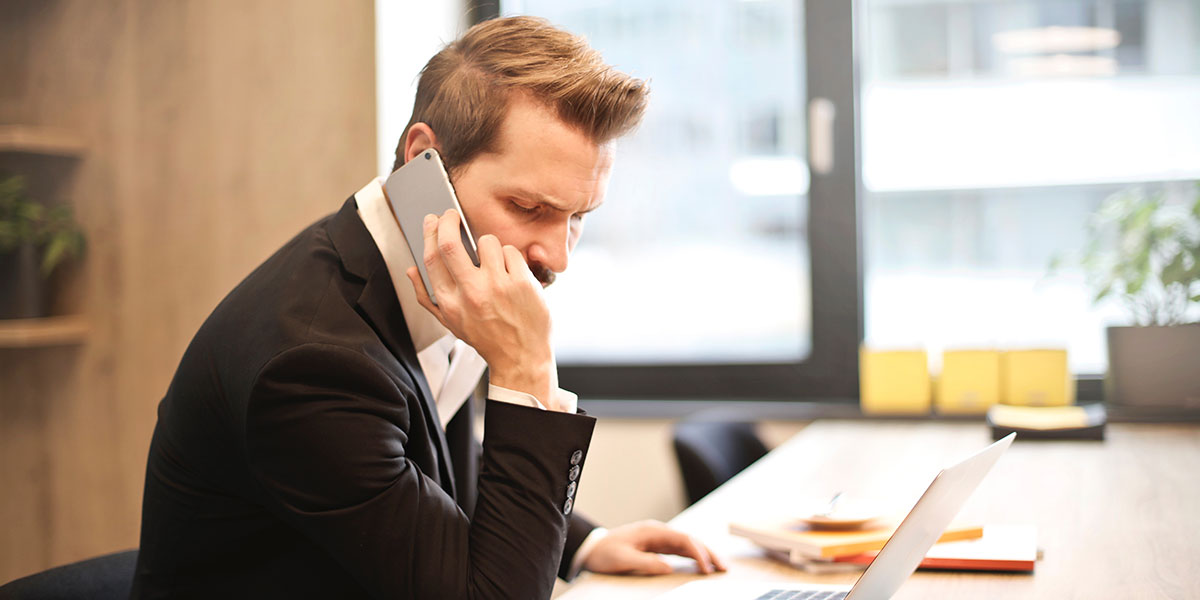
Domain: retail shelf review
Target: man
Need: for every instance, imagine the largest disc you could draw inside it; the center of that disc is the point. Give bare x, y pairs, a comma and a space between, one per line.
317, 441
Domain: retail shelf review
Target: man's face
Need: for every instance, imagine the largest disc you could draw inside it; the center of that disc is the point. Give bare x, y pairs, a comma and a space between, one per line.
535, 189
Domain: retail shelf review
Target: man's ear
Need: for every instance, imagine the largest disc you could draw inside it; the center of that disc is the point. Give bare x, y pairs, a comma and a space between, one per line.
420, 138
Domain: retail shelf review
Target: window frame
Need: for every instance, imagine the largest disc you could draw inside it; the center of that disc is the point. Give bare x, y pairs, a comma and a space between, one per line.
830, 372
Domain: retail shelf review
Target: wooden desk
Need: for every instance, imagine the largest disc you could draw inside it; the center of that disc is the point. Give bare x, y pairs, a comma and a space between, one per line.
1119, 518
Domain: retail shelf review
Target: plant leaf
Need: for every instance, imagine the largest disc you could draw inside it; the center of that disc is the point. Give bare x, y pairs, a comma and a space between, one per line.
1144, 249
12, 190
1134, 284
53, 254
1175, 271
64, 245
30, 212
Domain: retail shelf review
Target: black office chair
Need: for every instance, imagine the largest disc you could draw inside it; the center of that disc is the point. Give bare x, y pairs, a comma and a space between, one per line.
712, 452
107, 577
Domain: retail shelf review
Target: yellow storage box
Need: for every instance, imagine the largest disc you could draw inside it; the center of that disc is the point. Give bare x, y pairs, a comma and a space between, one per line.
894, 382
969, 383
1037, 378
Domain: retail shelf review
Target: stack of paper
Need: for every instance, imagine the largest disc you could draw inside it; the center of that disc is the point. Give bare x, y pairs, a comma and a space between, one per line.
802, 542
961, 547
1002, 548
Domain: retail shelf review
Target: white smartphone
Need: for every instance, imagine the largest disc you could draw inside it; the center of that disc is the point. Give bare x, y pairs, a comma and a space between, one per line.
422, 187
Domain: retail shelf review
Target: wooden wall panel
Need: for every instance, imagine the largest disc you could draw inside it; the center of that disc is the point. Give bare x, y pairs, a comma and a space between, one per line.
216, 129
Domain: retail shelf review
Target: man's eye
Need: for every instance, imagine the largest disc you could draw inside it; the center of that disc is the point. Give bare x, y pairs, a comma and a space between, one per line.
523, 209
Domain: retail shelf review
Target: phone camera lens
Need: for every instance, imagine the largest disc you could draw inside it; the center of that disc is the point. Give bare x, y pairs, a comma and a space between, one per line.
428, 156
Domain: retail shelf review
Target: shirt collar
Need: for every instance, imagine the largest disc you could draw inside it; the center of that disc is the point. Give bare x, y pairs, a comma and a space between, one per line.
376, 213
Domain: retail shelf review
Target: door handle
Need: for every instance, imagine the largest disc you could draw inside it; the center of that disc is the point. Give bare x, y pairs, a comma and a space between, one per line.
821, 116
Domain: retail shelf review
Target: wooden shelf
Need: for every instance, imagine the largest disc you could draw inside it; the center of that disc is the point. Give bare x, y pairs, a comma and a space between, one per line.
47, 141
48, 331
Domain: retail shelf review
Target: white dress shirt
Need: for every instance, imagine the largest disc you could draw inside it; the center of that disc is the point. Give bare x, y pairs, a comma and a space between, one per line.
451, 367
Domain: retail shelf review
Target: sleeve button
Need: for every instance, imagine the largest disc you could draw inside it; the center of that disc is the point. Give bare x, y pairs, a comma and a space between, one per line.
573, 474
567, 506
576, 457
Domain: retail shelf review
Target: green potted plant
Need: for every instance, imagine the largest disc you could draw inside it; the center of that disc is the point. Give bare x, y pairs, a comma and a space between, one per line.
34, 241
1144, 251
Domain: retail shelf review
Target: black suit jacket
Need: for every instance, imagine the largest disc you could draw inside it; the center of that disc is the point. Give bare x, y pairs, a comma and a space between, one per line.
298, 452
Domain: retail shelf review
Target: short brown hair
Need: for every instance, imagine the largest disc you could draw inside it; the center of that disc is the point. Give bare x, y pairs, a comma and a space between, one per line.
464, 89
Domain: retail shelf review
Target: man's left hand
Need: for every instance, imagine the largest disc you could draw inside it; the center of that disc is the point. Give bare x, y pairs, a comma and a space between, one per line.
634, 549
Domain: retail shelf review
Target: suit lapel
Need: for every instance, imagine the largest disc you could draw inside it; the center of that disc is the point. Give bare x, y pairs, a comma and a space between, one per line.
378, 302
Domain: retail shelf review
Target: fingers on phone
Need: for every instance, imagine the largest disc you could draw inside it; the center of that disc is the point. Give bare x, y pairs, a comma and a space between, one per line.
514, 262
435, 264
449, 244
491, 255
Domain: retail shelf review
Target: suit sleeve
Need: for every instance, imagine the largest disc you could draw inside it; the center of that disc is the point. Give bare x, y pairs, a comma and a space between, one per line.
327, 433
577, 531
578, 526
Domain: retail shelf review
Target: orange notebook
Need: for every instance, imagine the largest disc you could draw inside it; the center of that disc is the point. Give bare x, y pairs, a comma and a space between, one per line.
1002, 548
801, 541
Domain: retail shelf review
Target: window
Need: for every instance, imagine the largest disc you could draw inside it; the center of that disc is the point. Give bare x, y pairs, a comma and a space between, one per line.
971, 141
699, 255
695, 278
991, 130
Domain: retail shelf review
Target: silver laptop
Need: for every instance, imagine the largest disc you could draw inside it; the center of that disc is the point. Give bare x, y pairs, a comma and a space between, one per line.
899, 557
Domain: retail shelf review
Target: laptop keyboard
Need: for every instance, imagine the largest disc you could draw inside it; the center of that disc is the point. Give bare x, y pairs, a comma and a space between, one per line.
802, 595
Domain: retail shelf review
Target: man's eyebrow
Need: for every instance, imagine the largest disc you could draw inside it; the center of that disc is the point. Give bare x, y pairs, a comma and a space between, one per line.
546, 200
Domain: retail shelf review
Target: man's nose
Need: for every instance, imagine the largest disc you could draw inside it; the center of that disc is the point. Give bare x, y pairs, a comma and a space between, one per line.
552, 250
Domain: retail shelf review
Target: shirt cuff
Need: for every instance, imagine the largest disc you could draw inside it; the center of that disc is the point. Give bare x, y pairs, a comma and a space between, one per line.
567, 401
581, 554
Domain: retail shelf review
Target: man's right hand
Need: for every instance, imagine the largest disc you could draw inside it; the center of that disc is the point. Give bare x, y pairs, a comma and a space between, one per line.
498, 308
